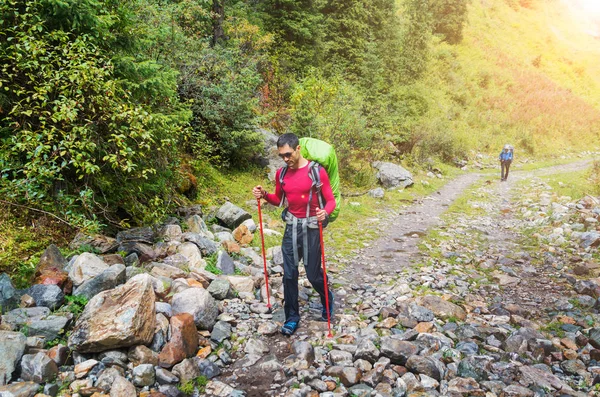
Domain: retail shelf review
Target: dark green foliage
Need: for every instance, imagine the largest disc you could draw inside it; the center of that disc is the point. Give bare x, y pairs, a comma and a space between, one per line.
70, 132
415, 40
298, 29
449, 17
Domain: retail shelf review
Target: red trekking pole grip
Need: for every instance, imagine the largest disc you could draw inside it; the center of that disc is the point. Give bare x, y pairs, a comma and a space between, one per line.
264, 255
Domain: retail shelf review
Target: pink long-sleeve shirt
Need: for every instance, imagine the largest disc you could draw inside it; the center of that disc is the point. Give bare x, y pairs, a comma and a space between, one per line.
297, 184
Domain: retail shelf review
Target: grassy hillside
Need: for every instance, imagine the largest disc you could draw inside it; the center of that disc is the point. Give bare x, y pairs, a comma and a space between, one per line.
525, 72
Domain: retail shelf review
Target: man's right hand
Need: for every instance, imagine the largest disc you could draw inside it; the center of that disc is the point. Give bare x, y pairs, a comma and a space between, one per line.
258, 192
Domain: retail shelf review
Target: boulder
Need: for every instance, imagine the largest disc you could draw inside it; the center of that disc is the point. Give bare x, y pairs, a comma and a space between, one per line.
50, 327
225, 263
231, 215
219, 288
207, 246
392, 175
138, 234
101, 243
108, 279
38, 368
243, 235
242, 283
199, 303
121, 387
51, 269
12, 347
50, 296
120, 317
9, 297
193, 255
442, 308
397, 350
86, 267
21, 389
183, 343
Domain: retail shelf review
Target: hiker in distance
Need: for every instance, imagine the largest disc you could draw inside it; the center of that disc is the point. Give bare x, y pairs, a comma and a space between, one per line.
301, 237
506, 157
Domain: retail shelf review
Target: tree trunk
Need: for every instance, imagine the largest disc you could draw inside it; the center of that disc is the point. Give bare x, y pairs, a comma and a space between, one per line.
218, 16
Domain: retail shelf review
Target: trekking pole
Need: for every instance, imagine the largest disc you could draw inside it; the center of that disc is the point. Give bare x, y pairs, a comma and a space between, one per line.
264, 255
329, 335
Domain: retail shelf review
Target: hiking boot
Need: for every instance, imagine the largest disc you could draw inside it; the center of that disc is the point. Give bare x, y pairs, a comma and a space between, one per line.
324, 310
289, 328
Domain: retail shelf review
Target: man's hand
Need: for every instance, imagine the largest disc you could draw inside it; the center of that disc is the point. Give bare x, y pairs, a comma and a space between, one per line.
259, 192
321, 215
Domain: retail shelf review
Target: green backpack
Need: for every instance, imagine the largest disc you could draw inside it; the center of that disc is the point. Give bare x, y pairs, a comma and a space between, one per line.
320, 153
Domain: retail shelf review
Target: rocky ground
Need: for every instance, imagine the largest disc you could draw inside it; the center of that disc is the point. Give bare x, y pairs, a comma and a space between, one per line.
496, 298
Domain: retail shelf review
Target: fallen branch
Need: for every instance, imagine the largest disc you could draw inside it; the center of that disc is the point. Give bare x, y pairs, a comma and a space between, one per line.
42, 211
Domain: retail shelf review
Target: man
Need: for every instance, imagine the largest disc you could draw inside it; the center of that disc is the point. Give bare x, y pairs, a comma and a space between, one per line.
301, 237
506, 157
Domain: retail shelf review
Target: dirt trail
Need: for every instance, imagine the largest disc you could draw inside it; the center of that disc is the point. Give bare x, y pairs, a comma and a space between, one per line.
398, 247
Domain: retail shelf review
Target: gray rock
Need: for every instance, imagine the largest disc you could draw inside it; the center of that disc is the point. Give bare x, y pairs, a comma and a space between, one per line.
398, 351
377, 193
108, 279
342, 358
38, 368
219, 288
360, 390
232, 215
138, 234
367, 351
588, 287
107, 377
86, 267
420, 313
25, 316
165, 377
12, 347
426, 366
164, 308
187, 370
467, 348
207, 246
22, 389
208, 368
517, 391
171, 391
224, 236
594, 337
221, 331
391, 175
199, 303
225, 263
50, 296
256, 346
277, 256
122, 387
9, 297
50, 327
349, 376
144, 375
590, 239
475, 367
170, 233
304, 351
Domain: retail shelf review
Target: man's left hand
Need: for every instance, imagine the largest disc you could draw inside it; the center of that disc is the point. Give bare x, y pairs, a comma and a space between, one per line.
321, 215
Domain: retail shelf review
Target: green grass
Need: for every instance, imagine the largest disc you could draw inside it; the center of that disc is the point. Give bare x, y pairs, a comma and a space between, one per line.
574, 184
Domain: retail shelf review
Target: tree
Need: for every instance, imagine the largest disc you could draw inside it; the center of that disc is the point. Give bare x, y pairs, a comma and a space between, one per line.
415, 40
449, 17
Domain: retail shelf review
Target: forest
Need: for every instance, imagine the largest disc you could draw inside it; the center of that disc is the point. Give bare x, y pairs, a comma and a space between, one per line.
111, 112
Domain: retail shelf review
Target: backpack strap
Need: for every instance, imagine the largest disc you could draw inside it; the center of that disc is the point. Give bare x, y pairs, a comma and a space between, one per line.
315, 175
281, 183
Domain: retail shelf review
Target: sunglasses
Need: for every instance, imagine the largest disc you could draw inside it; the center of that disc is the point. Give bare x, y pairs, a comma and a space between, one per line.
286, 155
